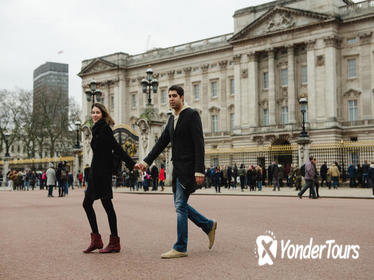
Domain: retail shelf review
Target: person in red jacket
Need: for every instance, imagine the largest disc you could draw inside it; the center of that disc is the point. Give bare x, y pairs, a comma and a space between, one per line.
161, 177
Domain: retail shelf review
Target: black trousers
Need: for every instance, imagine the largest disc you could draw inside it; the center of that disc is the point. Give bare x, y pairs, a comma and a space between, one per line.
109, 209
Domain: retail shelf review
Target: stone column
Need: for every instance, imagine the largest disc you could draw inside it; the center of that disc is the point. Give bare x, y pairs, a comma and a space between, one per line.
253, 90
238, 94
116, 98
223, 119
205, 96
291, 86
366, 74
311, 64
5, 171
86, 106
271, 100
122, 100
331, 80
188, 95
303, 152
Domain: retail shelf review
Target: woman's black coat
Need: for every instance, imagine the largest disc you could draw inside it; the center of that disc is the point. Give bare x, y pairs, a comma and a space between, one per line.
104, 145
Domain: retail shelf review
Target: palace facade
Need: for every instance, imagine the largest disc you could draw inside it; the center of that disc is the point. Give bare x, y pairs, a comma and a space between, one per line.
246, 85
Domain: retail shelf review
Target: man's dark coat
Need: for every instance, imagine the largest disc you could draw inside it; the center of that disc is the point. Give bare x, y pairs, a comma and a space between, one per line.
187, 142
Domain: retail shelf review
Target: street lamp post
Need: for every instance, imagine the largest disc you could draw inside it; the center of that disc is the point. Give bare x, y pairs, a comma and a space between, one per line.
303, 139
149, 84
303, 103
92, 92
6, 159
7, 136
77, 129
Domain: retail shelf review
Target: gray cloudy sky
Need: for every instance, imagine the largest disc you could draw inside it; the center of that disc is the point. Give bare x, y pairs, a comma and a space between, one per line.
34, 31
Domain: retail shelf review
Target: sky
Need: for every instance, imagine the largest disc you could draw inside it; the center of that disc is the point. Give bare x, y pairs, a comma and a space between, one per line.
33, 32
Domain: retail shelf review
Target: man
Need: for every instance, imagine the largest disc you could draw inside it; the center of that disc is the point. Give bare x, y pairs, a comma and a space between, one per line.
275, 175
310, 173
365, 172
323, 173
352, 175
184, 132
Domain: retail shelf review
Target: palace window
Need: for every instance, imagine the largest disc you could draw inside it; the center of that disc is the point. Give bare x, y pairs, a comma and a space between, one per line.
352, 110
214, 123
214, 88
266, 80
232, 86
196, 91
352, 68
232, 121
284, 77
163, 96
304, 75
133, 101
284, 115
111, 103
266, 117
215, 162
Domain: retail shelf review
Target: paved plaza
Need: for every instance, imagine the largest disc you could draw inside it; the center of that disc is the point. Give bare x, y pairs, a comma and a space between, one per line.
43, 238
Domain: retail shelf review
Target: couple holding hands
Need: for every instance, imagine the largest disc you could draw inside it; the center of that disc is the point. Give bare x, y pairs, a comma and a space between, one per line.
184, 132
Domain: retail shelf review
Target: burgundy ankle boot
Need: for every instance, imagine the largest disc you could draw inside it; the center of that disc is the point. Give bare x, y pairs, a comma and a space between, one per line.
113, 246
96, 243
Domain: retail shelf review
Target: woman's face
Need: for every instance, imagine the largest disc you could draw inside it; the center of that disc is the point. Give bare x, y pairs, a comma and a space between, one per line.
96, 114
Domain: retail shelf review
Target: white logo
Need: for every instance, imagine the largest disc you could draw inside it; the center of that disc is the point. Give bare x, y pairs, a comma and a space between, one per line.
266, 248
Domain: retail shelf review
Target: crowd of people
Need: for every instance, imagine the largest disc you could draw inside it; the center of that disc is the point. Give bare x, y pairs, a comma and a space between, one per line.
60, 177
254, 177
152, 178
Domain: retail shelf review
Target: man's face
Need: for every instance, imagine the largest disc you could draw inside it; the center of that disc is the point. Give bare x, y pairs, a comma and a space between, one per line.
175, 100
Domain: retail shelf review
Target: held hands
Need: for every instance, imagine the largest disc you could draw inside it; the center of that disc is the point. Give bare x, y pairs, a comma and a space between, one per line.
140, 166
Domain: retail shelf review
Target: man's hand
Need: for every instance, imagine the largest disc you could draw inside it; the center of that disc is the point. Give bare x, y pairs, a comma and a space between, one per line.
140, 166
199, 180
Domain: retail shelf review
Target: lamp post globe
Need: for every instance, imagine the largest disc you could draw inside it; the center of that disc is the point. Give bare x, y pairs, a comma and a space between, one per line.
149, 84
303, 101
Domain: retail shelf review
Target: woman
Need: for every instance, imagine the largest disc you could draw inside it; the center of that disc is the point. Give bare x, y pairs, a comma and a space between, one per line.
161, 177
100, 177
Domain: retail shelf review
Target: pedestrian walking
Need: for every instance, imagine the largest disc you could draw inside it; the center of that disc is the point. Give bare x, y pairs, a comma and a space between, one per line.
310, 173
184, 132
103, 145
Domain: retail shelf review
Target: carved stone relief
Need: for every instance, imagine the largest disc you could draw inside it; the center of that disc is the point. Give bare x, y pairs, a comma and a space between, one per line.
280, 21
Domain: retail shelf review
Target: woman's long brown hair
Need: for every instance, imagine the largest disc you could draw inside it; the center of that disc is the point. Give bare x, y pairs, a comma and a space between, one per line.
106, 116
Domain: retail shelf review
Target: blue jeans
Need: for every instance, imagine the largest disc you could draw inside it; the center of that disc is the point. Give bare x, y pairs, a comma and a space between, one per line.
66, 187
259, 185
185, 211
